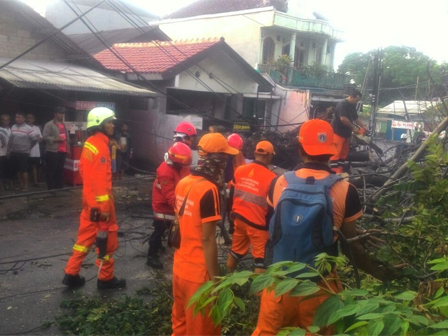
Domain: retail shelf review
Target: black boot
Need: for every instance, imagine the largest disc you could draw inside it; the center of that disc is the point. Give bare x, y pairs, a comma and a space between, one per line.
154, 262
73, 281
111, 284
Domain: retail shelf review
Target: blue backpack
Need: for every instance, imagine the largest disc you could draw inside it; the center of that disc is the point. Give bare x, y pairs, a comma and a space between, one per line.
302, 224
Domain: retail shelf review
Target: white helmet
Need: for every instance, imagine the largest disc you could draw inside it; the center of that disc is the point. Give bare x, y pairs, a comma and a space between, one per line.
98, 115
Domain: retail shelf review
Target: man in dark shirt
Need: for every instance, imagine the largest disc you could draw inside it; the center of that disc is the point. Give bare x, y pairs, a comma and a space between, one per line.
345, 118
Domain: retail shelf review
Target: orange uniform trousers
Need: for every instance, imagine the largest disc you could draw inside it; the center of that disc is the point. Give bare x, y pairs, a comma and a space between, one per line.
342, 147
86, 238
245, 235
183, 321
291, 311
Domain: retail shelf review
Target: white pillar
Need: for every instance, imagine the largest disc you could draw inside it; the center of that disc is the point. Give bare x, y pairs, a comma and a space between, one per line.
292, 48
324, 53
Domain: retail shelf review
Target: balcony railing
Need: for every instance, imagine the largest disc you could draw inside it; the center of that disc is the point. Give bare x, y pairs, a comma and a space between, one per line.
299, 78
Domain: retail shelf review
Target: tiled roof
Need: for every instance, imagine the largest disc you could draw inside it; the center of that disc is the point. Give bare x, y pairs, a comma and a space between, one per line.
207, 7
154, 57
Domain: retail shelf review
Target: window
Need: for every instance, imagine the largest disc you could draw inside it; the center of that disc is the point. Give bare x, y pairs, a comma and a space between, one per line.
268, 50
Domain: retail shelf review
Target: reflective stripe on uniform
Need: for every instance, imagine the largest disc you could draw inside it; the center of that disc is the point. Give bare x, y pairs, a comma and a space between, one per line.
106, 257
81, 248
163, 216
102, 198
158, 186
250, 198
91, 147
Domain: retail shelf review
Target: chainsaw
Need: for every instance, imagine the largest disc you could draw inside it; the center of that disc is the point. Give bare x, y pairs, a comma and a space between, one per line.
364, 138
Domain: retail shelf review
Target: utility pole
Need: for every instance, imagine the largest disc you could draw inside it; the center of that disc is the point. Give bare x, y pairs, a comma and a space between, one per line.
376, 89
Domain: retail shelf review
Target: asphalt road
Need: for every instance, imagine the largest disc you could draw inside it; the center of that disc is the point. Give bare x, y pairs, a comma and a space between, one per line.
44, 228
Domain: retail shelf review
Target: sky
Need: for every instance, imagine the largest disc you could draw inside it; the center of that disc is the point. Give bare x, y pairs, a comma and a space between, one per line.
366, 24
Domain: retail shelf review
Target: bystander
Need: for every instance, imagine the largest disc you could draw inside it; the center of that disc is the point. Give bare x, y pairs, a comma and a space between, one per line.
56, 139
20, 142
35, 162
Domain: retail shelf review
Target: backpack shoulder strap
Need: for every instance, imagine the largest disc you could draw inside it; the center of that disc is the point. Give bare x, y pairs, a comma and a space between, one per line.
330, 180
292, 178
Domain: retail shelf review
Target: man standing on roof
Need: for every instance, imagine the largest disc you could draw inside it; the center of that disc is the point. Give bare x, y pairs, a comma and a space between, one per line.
345, 118
250, 210
98, 221
196, 261
168, 175
316, 146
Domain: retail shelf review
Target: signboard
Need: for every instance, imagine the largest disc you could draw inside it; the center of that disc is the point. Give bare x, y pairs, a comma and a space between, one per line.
240, 127
72, 165
88, 105
406, 124
73, 126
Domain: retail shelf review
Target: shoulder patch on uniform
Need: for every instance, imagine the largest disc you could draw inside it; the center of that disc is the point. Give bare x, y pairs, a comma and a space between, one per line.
103, 160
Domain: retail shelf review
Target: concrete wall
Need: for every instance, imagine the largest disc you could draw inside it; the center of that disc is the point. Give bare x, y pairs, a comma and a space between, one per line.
226, 72
17, 36
241, 32
59, 14
294, 108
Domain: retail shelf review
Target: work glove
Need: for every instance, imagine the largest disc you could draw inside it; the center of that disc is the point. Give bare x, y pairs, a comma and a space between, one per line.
101, 244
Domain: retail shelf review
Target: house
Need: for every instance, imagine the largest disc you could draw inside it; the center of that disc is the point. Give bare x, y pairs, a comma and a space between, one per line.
405, 116
201, 80
278, 37
55, 73
105, 17
89, 41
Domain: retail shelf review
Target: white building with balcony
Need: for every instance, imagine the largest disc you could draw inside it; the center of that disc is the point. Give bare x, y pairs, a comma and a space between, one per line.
261, 31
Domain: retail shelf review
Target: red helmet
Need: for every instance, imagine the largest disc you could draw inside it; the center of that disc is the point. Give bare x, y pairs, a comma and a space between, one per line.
186, 128
180, 153
235, 141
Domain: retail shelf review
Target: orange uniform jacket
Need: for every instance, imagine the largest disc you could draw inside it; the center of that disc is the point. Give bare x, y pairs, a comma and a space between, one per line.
95, 170
250, 188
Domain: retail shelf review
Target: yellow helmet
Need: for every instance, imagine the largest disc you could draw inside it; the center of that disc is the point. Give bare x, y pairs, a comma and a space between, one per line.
98, 115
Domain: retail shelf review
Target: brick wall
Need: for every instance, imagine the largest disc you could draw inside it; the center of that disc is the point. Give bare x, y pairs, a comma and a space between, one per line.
17, 36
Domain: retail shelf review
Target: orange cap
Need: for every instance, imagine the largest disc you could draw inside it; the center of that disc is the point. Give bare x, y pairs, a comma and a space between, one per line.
317, 137
215, 143
264, 147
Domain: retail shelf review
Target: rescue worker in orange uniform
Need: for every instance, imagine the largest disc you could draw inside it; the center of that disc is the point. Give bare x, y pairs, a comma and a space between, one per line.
185, 132
250, 210
233, 163
316, 140
98, 223
344, 120
168, 175
196, 261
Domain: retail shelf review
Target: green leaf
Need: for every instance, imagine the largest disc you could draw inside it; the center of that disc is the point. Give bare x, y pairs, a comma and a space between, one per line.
404, 327
406, 296
307, 275
304, 289
313, 329
285, 286
368, 308
418, 320
326, 309
346, 311
295, 268
261, 282
297, 332
207, 302
370, 316
215, 314
202, 290
439, 292
375, 327
388, 308
440, 325
438, 261
440, 267
225, 299
239, 303
442, 302
354, 292
392, 323
356, 325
